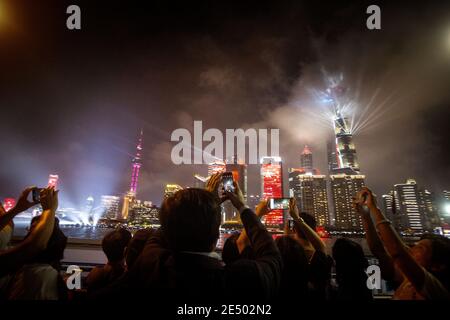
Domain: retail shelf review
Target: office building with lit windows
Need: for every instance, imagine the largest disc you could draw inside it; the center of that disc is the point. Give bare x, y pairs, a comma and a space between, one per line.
272, 187
408, 208
343, 188
310, 191
110, 206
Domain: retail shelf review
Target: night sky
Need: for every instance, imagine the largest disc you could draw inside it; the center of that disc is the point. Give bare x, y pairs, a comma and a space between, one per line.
73, 102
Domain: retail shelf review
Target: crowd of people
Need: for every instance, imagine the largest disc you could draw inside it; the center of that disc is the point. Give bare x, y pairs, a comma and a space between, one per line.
180, 261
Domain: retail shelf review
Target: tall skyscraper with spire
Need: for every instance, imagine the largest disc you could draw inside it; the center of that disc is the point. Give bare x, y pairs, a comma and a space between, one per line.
136, 165
306, 159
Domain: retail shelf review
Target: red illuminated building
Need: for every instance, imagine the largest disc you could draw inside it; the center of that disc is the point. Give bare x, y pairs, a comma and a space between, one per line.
9, 203
272, 187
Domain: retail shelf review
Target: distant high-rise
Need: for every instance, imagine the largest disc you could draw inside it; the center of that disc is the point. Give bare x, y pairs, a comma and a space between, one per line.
310, 191
386, 207
446, 195
430, 209
306, 159
332, 156
9, 203
53, 180
345, 149
216, 167
410, 215
136, 164
253, 200
171, 189
343, 188
272, 187
199, 181
110, 205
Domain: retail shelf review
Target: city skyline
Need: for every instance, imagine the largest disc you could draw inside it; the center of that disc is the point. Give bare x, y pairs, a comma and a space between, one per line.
160, 78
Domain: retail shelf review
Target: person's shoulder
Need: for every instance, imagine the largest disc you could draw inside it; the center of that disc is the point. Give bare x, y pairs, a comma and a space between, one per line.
433, 289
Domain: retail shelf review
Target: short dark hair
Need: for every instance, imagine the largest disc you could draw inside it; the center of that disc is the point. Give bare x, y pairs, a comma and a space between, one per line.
190, 220
114, 244
309, 220
440, 255
136, 245
349, 258
295, 272
54, 252
230, 251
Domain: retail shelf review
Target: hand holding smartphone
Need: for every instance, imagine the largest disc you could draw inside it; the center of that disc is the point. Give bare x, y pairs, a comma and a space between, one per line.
36, 194
227, 182
278, 203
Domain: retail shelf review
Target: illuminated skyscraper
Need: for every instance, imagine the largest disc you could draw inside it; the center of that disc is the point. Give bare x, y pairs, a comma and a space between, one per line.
171, 189
9, 203
343, 188
310, 191
53, 180
345, 149
253, 200
272, 187
110, 206
136, 166
216, 167
332, 156
430, 209
387, 201
306, 159
408, 207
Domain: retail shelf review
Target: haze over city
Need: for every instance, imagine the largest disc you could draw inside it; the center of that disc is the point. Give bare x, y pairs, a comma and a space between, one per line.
74, 102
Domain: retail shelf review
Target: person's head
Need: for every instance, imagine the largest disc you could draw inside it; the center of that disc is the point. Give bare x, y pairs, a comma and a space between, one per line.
190, 220
309, 220
433, 253
56, 245
349, 259
136, 245
115, 243
295, 264
230, 251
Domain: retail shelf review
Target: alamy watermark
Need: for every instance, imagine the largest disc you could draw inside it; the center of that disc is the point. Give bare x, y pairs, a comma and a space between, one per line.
74, 279
190, 150
373, 277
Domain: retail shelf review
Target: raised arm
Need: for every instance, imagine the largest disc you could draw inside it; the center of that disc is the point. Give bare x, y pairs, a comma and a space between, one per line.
373, 240
267, 257
243, 241
37, 240
394, 245
301, 227
22, 205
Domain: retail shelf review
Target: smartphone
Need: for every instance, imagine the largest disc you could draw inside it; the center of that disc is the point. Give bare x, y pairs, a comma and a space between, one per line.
36, 194
227, 181
278, 203
291, 225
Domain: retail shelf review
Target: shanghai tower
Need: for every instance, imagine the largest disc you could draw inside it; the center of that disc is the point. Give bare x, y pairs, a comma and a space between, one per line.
345, 151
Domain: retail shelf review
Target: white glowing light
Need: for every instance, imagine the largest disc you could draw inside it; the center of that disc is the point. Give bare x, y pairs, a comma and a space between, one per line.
447, 208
